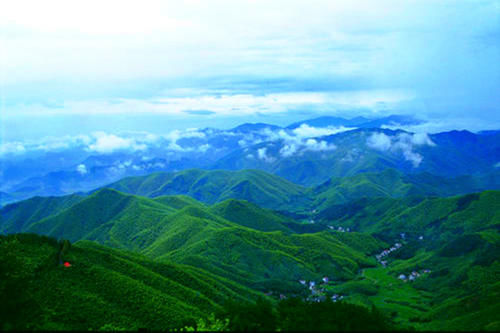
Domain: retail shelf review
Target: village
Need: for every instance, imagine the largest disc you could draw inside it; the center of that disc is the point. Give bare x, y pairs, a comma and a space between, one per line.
341, 229
318, 291
382, 259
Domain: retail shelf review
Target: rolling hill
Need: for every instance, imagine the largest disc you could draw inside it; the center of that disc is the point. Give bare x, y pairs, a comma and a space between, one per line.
395, 184
450, 244
103, 289
239, 248
270, 191
256, 186
261, 246
430, 217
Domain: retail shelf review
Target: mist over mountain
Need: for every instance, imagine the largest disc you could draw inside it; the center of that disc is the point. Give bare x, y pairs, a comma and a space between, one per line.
307, 153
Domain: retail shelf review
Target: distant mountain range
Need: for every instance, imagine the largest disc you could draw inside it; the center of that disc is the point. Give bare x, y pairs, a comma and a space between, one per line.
307, 153
271, 191
348, 153
358, 122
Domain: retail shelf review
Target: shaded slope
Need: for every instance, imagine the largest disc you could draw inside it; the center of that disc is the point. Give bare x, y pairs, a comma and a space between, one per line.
250, 215
256, 258
109, 216
15, 216
395, 184
431, 217
105, 287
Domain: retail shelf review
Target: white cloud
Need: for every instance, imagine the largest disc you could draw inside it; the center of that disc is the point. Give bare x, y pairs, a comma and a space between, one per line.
82, 169
379, 141
420, 139
306, 131
403, 143
413, 157
351, 42
314, 145
188, 133
225, 104
288, 149
176, 135
12, 148
262, 154
204, 148
108, 143
300, 139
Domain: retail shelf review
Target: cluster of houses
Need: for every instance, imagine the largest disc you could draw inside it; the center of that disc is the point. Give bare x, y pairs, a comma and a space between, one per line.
341, 229
413, 275
380, 257
318, 292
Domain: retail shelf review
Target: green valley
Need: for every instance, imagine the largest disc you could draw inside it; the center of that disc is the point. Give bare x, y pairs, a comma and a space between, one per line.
372, 240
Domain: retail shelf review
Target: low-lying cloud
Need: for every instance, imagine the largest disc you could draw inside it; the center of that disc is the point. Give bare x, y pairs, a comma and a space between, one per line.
108, 143
403, 143
82, 169
306, 131
14, 148
262, 155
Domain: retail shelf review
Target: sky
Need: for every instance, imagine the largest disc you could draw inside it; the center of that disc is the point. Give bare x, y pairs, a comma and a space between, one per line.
75, 67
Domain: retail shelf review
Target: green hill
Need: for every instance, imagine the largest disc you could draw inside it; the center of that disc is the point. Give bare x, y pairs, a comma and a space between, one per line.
173, 228
261, 188
16, 216
395, 184
236, 247
270, 191
429, 217
250, 215
259, 259
103, 289
177, 201
109, 216
457, 239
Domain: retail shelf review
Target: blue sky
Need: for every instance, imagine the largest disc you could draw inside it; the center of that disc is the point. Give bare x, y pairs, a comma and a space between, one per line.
75, 67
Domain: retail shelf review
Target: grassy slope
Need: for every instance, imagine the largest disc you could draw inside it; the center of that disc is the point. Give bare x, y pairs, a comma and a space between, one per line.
249, 215
250, 256
15, 216
271, 191
460, 245
107, 286
218, 238
256, 186
395, 184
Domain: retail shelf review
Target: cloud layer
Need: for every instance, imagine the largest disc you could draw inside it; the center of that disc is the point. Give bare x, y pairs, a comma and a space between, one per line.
249, 59
404, 143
